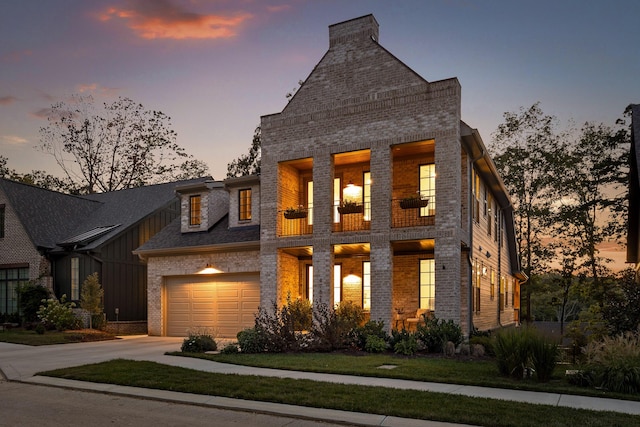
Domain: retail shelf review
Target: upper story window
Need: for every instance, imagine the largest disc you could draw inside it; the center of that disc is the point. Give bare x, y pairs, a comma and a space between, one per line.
428, 188
366, 195
1, 221
476, 196
244, 204
195, 213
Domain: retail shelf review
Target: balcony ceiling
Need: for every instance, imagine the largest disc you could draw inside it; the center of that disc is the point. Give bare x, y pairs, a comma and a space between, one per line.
413, 246
361, 156
413, 148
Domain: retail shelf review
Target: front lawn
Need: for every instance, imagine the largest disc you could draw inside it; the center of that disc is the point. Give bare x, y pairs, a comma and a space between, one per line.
374, 400
433, 368
23, 336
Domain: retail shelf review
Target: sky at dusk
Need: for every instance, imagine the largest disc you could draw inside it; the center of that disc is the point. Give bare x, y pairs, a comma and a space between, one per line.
216, 66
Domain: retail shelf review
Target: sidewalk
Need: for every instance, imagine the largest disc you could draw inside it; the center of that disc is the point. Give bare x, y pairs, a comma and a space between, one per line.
21, 363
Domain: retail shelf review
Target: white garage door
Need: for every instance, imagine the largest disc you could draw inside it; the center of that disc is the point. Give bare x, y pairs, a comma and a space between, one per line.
227, 304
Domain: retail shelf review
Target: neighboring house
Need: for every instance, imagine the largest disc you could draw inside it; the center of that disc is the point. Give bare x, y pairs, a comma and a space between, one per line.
362, 133
633, 236
59, 240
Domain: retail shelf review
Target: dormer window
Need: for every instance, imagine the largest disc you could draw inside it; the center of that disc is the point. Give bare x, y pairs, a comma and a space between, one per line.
195, 213
244, 205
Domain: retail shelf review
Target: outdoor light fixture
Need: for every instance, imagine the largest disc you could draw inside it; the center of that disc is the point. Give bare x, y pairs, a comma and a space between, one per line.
352, 193
209, 269
352, 279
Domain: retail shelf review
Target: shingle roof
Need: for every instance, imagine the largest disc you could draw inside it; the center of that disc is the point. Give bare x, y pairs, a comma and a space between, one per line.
171, 237
47, 216
51, 218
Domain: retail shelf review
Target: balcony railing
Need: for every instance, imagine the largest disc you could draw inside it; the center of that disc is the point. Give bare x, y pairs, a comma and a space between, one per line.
411, 213
296, 222
353, 217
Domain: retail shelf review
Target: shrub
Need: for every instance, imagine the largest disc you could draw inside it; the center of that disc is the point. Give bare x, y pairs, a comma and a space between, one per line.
251, 340
512, 352
198, 343
230, 349
485, 341
301, 314
40, 329
544, 356
614, 362
371, 328
333, 329
375, 344
434, 333
404, 342
30, 296
58, 314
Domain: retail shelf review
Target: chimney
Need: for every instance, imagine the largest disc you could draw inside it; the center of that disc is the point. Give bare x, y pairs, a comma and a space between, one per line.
365, 27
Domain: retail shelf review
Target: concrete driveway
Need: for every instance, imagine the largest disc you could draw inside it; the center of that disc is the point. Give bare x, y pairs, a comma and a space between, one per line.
19, 362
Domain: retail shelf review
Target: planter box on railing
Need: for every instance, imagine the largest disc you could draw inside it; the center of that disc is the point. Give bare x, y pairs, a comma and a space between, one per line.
295, 215
350, 209
413, 203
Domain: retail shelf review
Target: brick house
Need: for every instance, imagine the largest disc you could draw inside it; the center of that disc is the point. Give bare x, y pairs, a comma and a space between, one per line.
59, 239
372, 190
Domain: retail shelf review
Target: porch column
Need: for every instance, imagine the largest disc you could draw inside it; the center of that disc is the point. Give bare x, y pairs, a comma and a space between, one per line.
323, 172
382, 282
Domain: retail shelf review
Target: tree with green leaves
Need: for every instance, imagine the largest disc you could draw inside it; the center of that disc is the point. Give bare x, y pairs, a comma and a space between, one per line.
115, 146
590, 198
91, 297
523, 150
248, 164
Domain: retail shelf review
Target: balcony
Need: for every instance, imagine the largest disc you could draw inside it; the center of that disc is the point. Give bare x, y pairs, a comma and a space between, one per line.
296, 222
411, 213
352, 217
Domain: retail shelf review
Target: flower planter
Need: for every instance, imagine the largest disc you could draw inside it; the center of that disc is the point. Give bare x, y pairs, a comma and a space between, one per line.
350, 209
413, 203
295, 215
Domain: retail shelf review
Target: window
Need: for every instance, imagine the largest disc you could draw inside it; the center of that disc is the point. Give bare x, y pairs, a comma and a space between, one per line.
337, 284
366, 285
244, 205
75, 279
493, 283
506, 291
489, 202
477, 284
496, 221
2, 210
427, 188
502, 295
310, 202
195, 214
336, 199
427, 284
366, 194
10, 279
310, 283
485, 200
475, 184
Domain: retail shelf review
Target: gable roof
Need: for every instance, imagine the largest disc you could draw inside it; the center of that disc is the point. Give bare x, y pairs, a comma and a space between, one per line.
170, 239
55, 220
47, 216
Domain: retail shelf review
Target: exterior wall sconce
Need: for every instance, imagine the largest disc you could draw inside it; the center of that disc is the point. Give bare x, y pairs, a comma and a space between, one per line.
209, 269
351, 279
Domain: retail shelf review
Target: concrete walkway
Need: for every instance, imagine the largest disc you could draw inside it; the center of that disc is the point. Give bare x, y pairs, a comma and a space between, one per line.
21, 363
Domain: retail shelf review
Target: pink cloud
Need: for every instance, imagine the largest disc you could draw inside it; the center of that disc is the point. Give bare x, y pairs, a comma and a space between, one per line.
95, 88
13, 139
7, 100
15, 56
162, 19
278, 8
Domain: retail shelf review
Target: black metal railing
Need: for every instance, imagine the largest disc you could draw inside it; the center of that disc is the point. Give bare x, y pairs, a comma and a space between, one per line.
411, 213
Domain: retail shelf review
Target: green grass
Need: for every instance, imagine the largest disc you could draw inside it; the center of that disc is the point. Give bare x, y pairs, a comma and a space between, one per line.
375, 400
435, 369
22, 336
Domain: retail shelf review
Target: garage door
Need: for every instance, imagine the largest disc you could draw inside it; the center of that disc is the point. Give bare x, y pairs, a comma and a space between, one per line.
225, 303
